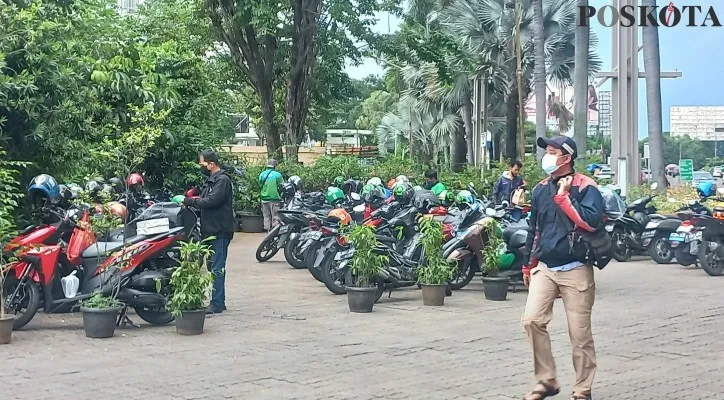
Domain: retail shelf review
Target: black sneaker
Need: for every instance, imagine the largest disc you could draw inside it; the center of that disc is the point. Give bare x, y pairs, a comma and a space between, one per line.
223, 308
214, 310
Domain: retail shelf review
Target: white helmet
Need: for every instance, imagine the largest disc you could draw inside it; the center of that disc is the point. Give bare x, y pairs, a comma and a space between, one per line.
375, 181
402, 179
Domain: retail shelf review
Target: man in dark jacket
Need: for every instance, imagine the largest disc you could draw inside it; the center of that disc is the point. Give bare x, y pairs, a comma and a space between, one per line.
565, 194
507, 183
217, 220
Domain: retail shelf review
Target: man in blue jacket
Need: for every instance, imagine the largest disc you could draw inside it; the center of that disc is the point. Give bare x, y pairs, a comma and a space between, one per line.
564, 194
508, 182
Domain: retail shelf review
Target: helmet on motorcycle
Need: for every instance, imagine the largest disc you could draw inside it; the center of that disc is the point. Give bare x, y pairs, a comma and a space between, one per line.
297, 182
178, 199
375, 181
339, 215
43, 189
117, 185
373, 195
134, 181
402, 179
403, 193
446, 198
424, 200
349, 186
464, 197
287, 191
338, 181
75, 189
706, 189
64, 196
334, 195
118, 209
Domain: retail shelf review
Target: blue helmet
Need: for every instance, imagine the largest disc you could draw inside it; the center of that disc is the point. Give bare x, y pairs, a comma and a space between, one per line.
44, 187
706, 188
592, 167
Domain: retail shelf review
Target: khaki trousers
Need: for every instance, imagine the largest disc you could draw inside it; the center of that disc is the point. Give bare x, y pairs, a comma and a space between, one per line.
577, 289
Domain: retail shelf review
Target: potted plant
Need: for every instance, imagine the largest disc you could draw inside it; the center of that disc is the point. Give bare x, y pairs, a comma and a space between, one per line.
100, 315
494, 286
435, 272
248, 210
190, 287
365, 267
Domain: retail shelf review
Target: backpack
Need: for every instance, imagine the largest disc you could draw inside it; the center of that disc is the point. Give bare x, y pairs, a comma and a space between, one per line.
594, 248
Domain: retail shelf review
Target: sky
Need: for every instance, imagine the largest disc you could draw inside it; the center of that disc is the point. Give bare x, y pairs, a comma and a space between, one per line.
698, 52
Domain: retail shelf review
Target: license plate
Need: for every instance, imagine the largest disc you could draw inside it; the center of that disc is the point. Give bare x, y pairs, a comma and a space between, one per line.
313, 235
698, 236
648, 234
677, 237
343, 255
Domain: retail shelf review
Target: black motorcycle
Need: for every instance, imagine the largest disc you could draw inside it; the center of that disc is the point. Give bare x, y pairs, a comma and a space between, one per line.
687, 238
711, 250
640, 229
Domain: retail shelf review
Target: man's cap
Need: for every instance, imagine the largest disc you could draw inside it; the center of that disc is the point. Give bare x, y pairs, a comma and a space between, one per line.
272, 163
566, 144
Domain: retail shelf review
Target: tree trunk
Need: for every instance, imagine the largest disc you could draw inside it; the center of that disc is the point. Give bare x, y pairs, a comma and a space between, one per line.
467, 111
511, 128
268, 121
302, 60
652, 68
580, 85
458, 149
539, 75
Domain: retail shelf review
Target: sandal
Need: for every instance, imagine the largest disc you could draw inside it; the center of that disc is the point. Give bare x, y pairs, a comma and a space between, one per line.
549, 391
581, 396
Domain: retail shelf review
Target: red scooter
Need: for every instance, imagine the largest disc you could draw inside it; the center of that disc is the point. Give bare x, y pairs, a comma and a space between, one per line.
130, 270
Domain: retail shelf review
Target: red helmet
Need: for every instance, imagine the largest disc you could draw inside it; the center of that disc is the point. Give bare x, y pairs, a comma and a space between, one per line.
134, 179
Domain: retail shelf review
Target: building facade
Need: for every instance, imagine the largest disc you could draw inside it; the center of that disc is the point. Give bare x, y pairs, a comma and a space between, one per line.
698, 122
128, 5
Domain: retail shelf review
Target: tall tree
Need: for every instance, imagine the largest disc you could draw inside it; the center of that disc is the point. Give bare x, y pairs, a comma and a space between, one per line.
539, 73
580, 83
652, 68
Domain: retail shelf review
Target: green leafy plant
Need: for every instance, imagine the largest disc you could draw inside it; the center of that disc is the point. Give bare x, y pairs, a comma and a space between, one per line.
101, 301
191, 281
10, 195
491, 252
366, 263
435, 270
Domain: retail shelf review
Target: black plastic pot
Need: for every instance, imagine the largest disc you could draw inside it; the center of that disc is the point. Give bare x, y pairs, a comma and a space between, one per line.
433, 295
191, 322
6, 329
251, 223
496, 288
100, 323
361, 299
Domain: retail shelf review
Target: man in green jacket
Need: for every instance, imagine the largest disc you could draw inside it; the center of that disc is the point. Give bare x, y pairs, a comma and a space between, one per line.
431, 182
270, 179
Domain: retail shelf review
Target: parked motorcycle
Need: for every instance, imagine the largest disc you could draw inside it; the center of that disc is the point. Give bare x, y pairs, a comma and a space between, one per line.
711, 251
685, 241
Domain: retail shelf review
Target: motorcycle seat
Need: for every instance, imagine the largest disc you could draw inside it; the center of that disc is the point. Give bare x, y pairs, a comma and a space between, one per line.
511, 230
105, 248
659, 216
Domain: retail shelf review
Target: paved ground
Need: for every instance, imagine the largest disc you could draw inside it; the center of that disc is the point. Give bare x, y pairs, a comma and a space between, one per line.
658, 332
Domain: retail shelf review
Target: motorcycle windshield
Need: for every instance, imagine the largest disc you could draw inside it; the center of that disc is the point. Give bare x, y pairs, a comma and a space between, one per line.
613, 205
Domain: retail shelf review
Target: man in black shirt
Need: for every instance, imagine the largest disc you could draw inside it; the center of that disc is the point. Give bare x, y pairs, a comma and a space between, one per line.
217, 220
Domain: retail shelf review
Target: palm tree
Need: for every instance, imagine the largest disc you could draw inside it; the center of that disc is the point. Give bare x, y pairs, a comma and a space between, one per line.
485, 28
539, 72
652, 68
580, 84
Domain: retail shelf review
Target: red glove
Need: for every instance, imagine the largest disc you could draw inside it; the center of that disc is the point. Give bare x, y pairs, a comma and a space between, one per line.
526, 270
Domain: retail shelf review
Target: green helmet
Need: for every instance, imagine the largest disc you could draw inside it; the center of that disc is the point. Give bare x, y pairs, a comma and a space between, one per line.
338, 181
464, 197
367, 189
334, 194
178, 199
446, 197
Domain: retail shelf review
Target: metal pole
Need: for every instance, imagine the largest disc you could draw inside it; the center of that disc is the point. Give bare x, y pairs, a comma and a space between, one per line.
519, 74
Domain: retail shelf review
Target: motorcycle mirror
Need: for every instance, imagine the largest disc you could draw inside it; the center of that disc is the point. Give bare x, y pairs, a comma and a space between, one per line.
654, 185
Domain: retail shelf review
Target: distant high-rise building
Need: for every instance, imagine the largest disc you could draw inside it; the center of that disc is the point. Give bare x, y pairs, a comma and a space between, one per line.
698, 122
604, 113
128, 5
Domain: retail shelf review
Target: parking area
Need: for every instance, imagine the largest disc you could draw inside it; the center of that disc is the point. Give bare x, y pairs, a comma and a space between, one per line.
658, 332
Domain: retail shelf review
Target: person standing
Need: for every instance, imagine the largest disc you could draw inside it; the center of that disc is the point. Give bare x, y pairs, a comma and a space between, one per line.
217, 221
507, 183
270, 179
564, 194
431, 182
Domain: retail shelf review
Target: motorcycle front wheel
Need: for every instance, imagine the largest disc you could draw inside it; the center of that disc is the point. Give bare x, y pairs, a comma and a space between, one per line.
709, 261
660, 250
311, 257
292, 254
465, 273
25, 306
267, 248
334, 279
621, 251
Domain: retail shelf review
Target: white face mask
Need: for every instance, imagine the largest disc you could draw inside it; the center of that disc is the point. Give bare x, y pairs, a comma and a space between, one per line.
549, 163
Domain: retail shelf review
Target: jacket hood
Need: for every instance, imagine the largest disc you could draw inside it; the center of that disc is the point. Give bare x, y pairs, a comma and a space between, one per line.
507, 175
